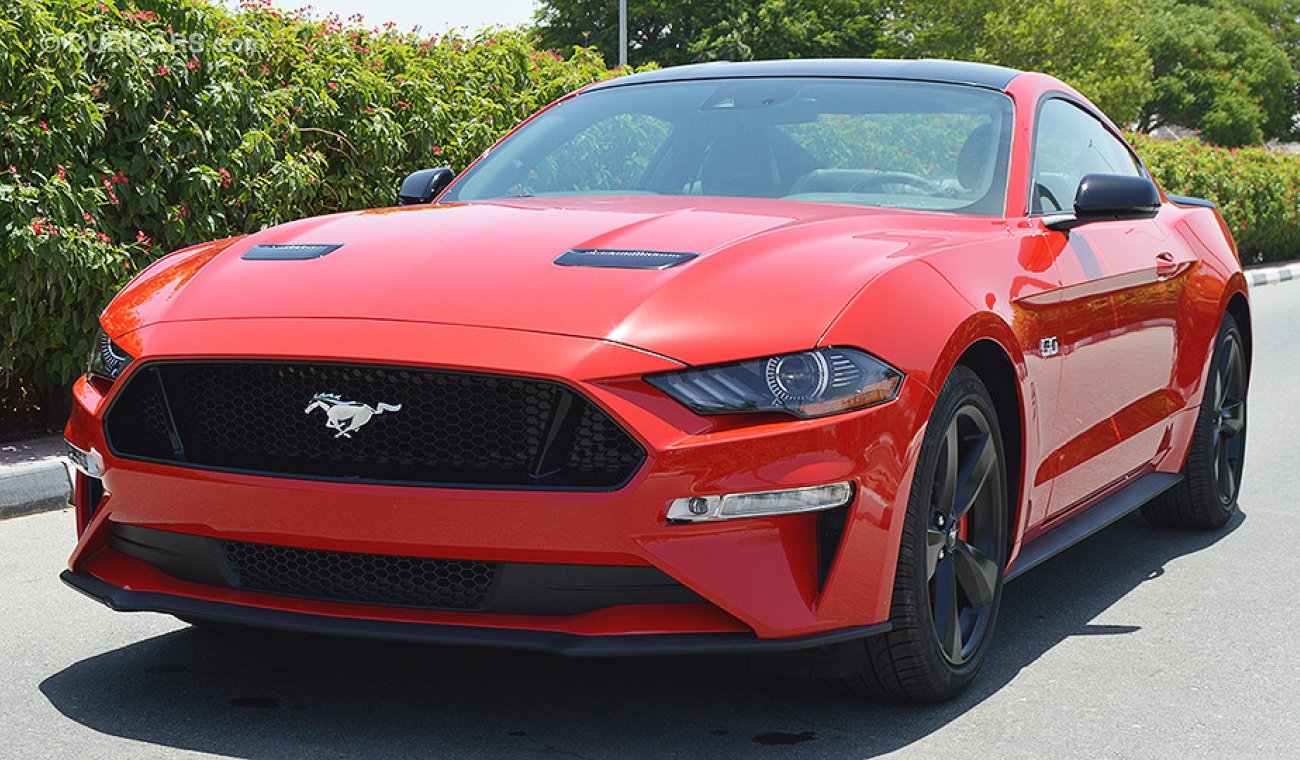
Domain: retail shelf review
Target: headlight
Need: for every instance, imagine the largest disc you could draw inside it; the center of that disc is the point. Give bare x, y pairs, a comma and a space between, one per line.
807, 384
108, 359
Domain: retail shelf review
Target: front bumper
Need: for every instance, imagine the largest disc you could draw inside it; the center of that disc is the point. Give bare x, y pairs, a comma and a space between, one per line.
761, 579
553, 642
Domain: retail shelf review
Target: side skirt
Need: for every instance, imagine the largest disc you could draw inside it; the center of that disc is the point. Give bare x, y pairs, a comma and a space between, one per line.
1091, 520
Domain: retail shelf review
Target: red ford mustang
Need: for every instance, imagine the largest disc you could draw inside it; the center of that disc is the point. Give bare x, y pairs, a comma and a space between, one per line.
754, 357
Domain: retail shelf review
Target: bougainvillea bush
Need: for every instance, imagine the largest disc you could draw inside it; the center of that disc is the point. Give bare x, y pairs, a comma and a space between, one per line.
130, 130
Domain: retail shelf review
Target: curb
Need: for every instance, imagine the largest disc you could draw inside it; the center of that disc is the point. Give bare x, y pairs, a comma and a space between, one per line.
33, 477
1272, 275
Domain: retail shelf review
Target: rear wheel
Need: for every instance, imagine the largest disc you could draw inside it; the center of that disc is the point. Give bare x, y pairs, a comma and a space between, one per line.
1207, 495
948, 584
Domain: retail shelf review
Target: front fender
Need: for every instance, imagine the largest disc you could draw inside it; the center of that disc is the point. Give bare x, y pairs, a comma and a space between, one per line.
918, 320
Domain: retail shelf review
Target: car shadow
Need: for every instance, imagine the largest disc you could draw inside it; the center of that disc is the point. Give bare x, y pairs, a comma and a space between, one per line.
262, 694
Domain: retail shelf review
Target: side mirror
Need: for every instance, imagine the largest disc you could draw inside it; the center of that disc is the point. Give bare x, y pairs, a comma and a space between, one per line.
1108, 198
425, 185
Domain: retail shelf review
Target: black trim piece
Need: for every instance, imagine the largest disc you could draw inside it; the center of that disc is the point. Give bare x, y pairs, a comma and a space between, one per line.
94, 495
518, 588
946, 72
173, 434
561, 431
609, 258
554, 642
1187, 200
290, 251
830, 536
1092, 520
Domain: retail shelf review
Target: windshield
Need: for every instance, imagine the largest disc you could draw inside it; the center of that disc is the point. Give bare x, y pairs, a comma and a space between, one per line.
898, 144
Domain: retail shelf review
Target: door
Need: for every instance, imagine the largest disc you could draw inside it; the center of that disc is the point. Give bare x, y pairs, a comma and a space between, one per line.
1116, 316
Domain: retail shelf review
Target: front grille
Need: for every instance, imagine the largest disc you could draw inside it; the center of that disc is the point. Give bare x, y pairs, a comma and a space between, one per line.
435, 427
367, 578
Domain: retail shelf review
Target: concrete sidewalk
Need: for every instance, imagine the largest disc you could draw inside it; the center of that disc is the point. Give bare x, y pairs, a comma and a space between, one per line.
33, 476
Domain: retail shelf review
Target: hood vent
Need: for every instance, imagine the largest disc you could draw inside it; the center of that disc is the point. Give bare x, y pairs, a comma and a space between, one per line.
290, 252
622, 259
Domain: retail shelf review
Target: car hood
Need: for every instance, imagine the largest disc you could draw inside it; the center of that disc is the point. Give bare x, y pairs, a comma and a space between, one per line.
770, 276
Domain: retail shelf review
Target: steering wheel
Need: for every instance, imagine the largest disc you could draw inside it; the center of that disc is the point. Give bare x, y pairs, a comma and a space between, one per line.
1043, 192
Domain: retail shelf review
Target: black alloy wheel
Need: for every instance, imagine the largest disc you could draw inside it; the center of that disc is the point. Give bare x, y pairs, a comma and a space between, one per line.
948, 582
1228, 434
963, 535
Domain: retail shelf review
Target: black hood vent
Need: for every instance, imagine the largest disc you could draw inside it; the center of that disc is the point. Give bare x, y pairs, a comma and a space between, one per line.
610, 258
290, 252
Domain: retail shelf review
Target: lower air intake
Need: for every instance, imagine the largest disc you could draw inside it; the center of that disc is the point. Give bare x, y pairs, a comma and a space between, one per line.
365, 578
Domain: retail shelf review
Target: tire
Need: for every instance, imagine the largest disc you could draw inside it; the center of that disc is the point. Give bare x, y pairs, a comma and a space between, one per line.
1207, 496
945, 571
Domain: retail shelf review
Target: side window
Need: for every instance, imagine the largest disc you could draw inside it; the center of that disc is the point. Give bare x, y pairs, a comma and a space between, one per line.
1070, 143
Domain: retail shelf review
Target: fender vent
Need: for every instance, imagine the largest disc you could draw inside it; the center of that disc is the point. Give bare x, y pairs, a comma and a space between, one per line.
609, 258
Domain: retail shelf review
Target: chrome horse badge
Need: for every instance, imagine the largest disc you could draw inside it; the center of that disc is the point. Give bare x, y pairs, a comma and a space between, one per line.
346, 417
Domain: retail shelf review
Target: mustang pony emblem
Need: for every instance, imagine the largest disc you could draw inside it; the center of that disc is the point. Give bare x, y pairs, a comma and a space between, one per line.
346, 417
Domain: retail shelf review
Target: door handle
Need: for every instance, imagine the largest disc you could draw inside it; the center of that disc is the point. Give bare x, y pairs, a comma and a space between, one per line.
1166, 265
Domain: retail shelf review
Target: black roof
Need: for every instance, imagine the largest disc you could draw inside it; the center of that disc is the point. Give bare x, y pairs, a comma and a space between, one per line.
927, 70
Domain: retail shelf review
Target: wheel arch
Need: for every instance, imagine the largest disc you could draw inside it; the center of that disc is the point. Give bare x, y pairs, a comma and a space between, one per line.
990, 361
1239, 308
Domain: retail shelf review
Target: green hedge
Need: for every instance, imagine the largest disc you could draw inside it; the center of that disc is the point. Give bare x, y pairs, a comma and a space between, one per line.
127, 131
1257, 190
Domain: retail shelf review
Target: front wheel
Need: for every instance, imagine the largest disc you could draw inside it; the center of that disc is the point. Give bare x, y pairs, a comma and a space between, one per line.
948, 584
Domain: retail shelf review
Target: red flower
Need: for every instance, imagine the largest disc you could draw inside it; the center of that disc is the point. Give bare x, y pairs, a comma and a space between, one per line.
63, 173
44, 127
38, 228
89, 219
225, 177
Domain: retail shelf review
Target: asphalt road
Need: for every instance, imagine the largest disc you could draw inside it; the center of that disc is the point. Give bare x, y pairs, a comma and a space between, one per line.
1140, 643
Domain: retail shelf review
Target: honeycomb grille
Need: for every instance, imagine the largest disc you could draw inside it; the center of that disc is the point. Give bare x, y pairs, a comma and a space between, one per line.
431, 427
366, 578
